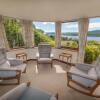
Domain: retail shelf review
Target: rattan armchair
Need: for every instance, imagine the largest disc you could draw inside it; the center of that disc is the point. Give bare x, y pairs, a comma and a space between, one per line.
10, 68
44, 55
85, 78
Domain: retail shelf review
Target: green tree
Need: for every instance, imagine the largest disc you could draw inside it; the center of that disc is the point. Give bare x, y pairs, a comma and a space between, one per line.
41, 37
13, 32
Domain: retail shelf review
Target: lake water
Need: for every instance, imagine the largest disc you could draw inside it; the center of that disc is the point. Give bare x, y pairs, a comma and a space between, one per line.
88, 38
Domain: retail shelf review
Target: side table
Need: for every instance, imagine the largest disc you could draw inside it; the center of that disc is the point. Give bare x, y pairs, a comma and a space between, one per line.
22, 56
68, 57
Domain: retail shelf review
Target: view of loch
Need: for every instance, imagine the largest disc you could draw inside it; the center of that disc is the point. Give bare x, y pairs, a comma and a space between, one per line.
88, 38
92, 35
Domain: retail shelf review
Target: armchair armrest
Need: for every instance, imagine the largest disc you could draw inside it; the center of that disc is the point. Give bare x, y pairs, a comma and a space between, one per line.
37, 55
84, 67
69, 75
52, 56
9, 69
15, 93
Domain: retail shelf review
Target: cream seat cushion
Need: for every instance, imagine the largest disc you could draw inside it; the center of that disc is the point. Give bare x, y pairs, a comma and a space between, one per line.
44, 60
5, 73
84, 81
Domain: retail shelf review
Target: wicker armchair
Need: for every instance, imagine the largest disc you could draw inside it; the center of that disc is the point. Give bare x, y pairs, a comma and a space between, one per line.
10, 68
85, 78
44, 56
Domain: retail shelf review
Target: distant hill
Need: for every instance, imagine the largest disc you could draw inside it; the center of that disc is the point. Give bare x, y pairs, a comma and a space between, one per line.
95, 33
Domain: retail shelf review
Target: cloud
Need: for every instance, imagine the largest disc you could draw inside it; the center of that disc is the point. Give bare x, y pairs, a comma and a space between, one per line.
37, 27
94, 25
91, 25
70, 25
45, 23
52, 23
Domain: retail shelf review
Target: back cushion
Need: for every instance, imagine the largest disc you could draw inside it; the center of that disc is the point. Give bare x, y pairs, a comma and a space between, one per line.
98, 67
5, 65
92, 73
44, 55
44, 50
35, 94
3, 57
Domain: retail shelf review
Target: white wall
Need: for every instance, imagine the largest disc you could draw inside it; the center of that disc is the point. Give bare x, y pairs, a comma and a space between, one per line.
31, 53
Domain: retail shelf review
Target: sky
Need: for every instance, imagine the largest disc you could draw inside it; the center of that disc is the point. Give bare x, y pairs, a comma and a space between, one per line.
94, 24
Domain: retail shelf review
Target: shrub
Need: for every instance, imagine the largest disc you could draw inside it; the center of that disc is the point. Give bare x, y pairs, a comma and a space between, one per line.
69, 43
74, 44
93, 43
41, 37
91, 53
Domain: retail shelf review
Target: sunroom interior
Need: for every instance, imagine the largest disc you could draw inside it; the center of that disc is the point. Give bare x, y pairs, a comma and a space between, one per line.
51, 79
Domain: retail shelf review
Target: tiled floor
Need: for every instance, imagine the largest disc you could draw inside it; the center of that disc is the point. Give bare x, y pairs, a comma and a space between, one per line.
51, 80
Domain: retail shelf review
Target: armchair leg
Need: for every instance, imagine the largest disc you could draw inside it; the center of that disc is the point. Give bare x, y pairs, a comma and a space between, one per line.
56, 95
24, 71
93, 89
18, 81
52, 64
18, 77
37, 65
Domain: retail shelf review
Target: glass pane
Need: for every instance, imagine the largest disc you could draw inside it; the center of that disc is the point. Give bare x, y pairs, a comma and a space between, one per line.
70, 35
44, 32
92, 50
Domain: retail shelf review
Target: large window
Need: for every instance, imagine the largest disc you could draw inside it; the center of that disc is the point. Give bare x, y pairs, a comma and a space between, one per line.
94, 29
93, 40
69, 36
44, 32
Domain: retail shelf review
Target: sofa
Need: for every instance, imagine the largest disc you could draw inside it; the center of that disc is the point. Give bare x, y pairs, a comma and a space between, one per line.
25, 92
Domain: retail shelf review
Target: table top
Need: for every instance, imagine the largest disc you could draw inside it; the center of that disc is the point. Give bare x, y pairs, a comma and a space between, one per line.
65, 55
21, 54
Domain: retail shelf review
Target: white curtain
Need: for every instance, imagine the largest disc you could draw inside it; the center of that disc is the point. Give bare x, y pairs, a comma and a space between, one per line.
3, 38
27, 33
83, 29
58, 34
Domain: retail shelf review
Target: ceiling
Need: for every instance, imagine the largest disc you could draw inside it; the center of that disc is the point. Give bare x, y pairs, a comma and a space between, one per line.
50, 10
